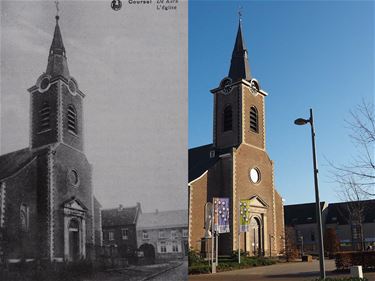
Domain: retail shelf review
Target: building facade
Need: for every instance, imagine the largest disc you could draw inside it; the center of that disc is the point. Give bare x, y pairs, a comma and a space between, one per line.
347, 226
119, 230
47, 205
236, 165
162, 236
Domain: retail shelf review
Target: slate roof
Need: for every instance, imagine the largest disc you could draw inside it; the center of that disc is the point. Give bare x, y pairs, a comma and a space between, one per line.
13, 162
120, 216
338, 213
300, 213
200, 160
164, 219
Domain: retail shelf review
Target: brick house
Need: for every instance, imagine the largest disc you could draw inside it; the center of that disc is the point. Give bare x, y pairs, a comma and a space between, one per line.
119, 230
163, 236
236, 165
47, 206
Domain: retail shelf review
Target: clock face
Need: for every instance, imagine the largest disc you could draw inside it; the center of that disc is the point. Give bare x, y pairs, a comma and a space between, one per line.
225, 85
44, 83
254, 175
72, 86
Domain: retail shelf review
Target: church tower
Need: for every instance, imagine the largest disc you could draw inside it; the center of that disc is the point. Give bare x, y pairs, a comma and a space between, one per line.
56, 102
237, 166
239, 103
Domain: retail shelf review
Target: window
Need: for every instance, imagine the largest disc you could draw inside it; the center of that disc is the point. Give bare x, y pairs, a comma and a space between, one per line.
24, 217
163, 247
145, 235
44, 117
173, 234
228, 118
125, 234
254, 120
312, 236
111, 236
184, 233
72, 119
162, 234
174, 247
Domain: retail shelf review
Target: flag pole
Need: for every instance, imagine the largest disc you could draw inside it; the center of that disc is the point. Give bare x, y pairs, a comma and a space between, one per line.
213, 264
239, 232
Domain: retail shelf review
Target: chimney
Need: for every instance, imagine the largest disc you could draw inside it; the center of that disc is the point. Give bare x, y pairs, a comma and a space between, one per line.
120, 207
156, 211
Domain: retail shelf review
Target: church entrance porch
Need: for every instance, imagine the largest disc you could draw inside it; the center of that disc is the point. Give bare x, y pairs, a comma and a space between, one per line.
74, 231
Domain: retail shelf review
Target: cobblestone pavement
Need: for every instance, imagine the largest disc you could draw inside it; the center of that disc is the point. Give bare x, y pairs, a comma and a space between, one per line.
177, 274
298, 271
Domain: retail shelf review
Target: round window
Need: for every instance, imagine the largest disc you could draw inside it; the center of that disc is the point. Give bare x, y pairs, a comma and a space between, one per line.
255, 175
73, 178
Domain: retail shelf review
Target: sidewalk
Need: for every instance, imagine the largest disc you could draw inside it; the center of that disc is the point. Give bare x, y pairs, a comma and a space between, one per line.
297, 271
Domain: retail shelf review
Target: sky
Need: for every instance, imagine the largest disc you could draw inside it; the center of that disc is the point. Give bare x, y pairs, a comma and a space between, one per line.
317, 54
132, 66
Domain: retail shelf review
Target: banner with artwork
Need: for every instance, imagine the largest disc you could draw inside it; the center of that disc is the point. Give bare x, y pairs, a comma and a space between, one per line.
221, 214
244, 215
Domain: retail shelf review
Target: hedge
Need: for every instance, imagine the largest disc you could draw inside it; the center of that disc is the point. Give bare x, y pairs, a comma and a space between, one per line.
344, 260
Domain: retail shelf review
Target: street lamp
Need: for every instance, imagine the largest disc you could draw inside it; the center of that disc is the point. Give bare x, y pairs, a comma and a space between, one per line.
301, 121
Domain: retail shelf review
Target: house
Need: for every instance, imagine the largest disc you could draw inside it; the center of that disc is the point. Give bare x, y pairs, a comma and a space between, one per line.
163, 236
119, 230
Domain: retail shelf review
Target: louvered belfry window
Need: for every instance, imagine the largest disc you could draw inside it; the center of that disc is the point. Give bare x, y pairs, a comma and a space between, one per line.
72, 119
44, 117
227, 118
254, 126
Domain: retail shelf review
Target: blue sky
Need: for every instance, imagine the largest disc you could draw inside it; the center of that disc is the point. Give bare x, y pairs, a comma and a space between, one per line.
317, 54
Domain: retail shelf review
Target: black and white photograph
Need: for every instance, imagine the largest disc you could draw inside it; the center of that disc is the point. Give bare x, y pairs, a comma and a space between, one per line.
93, 140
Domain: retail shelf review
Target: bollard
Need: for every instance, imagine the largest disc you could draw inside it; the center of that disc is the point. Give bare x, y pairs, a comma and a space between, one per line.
356, 271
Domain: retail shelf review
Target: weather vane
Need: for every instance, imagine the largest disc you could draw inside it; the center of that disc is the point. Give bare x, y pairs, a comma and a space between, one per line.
57, 8
240, 12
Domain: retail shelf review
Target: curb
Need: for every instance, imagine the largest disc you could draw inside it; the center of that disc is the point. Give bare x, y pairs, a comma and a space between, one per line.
161, 272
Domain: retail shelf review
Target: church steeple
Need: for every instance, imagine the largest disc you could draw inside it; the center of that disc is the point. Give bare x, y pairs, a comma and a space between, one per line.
57, 62
239, 67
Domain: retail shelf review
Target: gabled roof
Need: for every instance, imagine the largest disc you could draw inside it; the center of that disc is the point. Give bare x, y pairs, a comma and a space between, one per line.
301, 213
12, 162
338, 213
164, 219
120, 216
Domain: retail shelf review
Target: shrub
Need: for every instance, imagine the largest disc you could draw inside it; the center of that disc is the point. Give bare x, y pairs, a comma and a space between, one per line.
199, 269
344, 260
194, 258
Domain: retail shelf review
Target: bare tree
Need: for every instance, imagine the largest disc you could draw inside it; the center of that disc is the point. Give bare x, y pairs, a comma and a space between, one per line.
361, 170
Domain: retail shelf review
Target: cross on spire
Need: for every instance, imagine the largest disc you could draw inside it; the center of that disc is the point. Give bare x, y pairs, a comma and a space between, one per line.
57, 9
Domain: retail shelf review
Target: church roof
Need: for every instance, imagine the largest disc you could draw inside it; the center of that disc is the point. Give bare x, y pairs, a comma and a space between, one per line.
120, 216
301, 213
164, 219
57, 62
12, 162
239, 67
202, 158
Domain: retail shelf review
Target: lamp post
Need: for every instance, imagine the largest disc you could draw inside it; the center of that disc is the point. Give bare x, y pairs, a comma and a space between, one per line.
301, 121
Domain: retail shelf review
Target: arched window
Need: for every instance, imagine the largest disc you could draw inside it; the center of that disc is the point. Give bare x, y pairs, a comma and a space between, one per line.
254, 126
24, 217
72, 119
44, 117
227, 118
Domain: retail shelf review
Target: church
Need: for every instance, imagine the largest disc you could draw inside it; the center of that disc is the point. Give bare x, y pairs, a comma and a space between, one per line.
236, 166
47, 206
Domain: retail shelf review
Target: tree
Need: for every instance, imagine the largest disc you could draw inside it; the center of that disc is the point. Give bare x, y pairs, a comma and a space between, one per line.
291, 250
361, 170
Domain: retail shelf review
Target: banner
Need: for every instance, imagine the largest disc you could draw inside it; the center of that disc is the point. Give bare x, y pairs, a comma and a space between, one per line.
221, 215
244, 215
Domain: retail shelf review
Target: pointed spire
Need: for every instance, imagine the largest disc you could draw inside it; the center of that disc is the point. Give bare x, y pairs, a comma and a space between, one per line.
239, 67
57, 63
